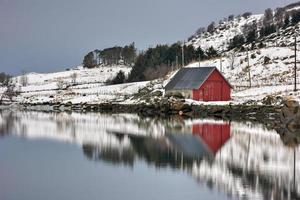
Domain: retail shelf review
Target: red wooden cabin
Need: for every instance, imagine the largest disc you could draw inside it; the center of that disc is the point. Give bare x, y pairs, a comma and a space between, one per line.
201, 84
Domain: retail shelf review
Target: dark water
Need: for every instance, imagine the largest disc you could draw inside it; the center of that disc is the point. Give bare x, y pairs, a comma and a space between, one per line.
96, 156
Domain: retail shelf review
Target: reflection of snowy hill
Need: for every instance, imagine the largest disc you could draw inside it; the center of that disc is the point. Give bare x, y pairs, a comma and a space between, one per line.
75, 127
253, 164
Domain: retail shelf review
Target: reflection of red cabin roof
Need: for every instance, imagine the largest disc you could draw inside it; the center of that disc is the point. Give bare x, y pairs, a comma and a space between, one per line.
214, 135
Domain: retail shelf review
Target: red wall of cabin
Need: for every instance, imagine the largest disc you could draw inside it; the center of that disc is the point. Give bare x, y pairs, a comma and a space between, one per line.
215, 88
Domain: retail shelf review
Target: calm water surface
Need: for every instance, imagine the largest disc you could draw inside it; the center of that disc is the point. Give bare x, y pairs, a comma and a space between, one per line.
96, 156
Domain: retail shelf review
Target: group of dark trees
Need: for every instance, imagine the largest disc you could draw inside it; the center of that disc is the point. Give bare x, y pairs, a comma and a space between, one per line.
111, 56
116, 54
158, 61
4, 79
118, 79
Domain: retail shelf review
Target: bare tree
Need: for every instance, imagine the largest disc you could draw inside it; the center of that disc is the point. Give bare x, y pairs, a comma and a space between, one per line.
156, 72
279, 16
24, 79
74, 78
268, 17
61, 84
10, 91
232, 58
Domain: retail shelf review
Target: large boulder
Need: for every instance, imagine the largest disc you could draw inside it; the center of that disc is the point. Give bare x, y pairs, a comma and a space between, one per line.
177, 95
289, 120
291, 103
177, 105
156, 93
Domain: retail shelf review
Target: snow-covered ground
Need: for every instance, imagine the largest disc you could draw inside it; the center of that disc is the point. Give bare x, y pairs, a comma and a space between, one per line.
87, 85
279, 70
39, 91
97, 75
275, 77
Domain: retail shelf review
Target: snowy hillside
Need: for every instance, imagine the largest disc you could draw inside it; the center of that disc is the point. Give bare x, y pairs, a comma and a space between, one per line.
98, 75
271, 71
76, 85
268, 66
223, 33
271, 67
226, 30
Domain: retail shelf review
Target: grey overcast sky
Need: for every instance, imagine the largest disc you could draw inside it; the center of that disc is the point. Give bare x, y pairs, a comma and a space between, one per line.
52, 35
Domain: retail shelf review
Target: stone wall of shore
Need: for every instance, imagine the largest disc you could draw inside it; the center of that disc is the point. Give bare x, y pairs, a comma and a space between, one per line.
168, 108
284, 118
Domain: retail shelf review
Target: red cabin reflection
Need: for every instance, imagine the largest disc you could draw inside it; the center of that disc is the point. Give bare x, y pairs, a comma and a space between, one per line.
214, 135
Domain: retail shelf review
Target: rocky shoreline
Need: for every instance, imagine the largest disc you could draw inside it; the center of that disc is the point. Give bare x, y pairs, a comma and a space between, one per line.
284, 118
261, 113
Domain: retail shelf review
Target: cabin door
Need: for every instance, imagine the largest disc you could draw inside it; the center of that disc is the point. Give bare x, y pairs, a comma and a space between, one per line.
217, 92
213, 91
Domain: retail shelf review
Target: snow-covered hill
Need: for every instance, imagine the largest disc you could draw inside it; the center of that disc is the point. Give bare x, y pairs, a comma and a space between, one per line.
226, 30
76, 85
223, 33
270, 70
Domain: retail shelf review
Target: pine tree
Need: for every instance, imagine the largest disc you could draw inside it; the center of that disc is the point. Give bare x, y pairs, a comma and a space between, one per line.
211, 52
268, 17
211, 27
89, 61
286, 20
236, 42
295, 18
119, 79
279, 17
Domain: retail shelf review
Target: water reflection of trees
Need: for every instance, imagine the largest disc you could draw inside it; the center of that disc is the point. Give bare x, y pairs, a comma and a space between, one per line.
109, 155
153, 151
7, 122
